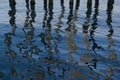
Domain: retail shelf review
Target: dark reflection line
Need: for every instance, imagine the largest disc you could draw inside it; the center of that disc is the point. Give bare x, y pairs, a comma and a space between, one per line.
8, 36
58, 25
72, 16
49, 37
88, 14
50, 7
71, 3
89, 9
33, 13
50, 44
27, 47
12, 13
112, 55
45, 13
48, 25
71, 29
77, 4
86, 24
27, 4
42, 35
75, 14
93, 28
109, 18
46, 36
8, 39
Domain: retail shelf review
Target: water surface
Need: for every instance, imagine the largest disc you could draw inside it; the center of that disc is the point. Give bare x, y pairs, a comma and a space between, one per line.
60, 40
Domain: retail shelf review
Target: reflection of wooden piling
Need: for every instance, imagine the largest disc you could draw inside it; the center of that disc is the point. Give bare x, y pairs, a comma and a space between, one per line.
32, 2
50, 5
12, 2
77, 4
71, 1
51, 1
109, 10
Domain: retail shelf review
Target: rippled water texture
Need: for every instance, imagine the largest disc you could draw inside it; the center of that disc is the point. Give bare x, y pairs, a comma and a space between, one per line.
59, 40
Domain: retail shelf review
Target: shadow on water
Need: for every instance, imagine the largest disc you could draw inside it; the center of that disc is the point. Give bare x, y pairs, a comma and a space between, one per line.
39, 56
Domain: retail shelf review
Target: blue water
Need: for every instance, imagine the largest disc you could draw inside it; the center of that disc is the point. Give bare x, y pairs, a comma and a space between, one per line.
52, 41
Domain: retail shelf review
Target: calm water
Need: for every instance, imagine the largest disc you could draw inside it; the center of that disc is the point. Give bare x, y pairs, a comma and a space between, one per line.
60, 40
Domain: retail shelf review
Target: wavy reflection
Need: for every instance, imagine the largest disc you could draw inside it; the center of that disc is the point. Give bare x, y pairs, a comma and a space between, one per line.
112, 54
45, 13
87, 58
72, 17
9, 39
58, 24
109, 18
54, 54
71, 29
88, 14
93, 28
70, 23
76, 9
8, 36
52, 60
86, 24
46, 36
71, 3
27, 48
50, 45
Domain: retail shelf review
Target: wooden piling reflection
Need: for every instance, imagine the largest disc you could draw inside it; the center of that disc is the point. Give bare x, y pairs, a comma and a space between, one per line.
8, 36
86, 24
77, 4
112, 53
71, 3
95, 45
61, 15
109, 14
88, 14
50, 12
12, 2
41, 37
71, 29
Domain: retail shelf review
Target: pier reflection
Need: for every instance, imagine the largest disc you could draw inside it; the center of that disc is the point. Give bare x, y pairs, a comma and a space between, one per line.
27, 47
8, 36
93, 28
56, 49
58, 26
70, 30
59, 23
86, 24
112, 54
11, 53
88, 36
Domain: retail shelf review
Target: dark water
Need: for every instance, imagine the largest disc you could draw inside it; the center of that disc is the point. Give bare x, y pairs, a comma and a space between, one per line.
60, 40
